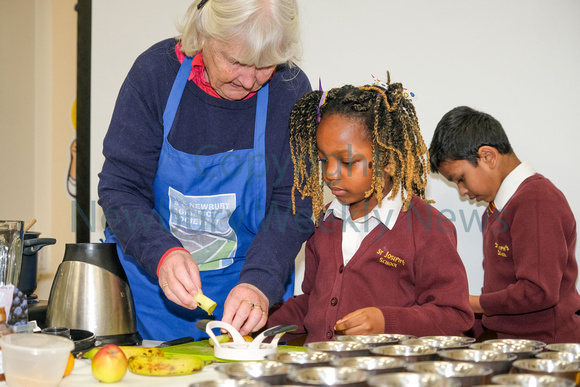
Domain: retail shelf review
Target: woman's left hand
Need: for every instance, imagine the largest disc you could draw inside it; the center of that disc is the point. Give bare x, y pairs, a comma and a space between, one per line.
246, 309
364, 321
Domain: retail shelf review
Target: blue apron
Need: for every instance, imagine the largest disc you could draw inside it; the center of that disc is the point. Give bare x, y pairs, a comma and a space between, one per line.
214, 205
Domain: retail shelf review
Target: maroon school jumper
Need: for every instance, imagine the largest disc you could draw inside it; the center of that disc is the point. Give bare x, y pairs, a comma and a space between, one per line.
530, 270
412, 273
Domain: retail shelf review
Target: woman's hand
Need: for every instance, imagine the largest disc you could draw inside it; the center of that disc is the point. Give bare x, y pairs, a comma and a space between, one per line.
364, 321
179, 278
246, 309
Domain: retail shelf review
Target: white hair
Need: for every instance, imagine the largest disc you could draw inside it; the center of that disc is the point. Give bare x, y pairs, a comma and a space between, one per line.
266, 31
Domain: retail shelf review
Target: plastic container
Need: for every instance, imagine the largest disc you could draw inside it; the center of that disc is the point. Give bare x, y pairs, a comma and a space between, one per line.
4, 330
35, 359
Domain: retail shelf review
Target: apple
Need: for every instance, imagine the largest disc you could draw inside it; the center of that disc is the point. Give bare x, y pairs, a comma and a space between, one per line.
109, 364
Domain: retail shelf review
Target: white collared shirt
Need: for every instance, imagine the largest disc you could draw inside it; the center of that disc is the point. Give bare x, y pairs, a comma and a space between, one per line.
354, 231
511, 183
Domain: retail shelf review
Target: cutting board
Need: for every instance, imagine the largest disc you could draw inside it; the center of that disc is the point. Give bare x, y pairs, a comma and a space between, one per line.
205, 351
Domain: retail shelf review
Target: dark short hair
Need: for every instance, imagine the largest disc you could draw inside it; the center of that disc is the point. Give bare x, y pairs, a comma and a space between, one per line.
460, 134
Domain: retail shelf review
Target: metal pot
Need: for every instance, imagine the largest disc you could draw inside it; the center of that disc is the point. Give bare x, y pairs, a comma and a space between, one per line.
18, 262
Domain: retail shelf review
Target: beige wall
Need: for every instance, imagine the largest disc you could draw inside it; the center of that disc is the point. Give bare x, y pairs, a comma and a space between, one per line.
37, 93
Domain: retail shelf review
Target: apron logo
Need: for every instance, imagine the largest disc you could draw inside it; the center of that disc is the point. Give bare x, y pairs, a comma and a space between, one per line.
202, 224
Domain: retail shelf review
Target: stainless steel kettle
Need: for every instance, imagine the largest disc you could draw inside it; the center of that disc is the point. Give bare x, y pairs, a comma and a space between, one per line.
90, 291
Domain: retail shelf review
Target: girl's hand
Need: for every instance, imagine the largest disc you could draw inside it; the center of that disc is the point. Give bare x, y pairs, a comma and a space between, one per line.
364, 321
475, 305
246, 309
179, 278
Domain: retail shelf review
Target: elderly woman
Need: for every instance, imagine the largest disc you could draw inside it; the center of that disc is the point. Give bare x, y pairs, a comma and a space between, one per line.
196, 184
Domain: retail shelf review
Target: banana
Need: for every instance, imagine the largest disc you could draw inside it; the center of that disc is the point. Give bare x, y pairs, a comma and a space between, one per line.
141, 351
129, 351
165, 366
205, 303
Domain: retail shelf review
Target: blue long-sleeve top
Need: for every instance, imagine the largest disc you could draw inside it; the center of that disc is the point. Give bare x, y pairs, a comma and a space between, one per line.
204, 125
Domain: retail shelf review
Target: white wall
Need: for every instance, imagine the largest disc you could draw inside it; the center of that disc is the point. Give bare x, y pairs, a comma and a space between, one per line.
516, 60
17, 111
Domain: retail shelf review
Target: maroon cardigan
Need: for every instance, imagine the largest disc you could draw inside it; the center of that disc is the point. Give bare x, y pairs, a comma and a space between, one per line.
412, 273
530, 270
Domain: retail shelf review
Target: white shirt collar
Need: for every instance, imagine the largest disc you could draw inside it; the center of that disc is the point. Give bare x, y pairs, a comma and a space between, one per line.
511, 183
387, 213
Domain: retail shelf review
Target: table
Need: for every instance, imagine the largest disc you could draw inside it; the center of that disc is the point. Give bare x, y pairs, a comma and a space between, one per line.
82, 375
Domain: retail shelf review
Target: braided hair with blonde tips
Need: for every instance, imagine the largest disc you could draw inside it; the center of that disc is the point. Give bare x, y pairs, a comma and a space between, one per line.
393, 130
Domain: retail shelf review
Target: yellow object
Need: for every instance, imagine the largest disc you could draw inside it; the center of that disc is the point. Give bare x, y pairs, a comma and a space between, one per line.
90, 354
226, 338
129, 351
70, 365
165, 366
205, 303
220, 339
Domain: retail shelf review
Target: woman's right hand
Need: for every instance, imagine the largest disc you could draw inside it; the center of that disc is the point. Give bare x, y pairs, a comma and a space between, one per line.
179, 278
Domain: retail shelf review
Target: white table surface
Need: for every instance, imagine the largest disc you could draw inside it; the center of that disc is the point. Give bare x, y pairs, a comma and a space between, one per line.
82, 376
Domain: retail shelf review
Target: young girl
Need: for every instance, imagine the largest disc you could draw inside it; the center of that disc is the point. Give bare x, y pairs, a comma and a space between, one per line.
382, 260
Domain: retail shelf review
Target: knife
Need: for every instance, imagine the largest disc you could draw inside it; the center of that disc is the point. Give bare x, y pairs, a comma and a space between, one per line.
182, 340
202, 324
279, 329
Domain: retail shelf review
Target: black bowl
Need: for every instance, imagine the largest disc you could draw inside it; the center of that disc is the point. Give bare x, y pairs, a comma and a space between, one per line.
84, 340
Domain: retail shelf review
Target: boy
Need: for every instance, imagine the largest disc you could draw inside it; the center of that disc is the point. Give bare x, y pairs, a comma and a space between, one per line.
529, 231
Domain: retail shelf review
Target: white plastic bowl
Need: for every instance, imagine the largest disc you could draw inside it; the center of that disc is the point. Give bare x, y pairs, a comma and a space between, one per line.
34, 359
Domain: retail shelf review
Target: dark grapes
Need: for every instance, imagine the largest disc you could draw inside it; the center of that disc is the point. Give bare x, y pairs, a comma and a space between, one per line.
19, 310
